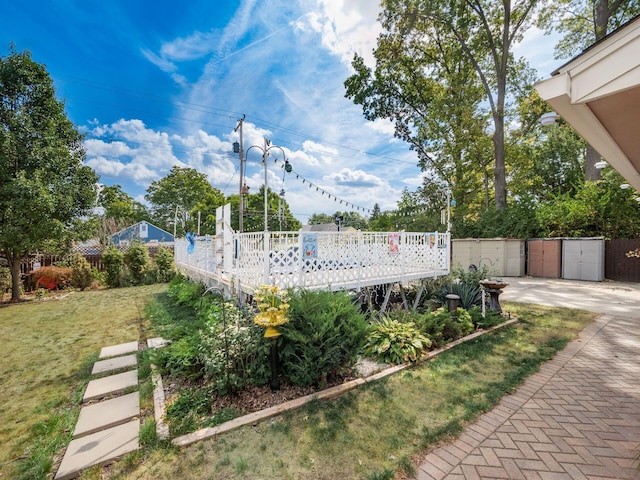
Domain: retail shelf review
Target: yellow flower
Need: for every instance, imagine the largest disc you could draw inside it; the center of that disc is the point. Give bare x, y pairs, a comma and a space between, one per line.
273, 304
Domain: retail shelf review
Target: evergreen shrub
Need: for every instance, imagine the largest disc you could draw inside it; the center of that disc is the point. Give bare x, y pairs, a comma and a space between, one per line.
82, 276
165, 268
138, 261
113, 261
325, 333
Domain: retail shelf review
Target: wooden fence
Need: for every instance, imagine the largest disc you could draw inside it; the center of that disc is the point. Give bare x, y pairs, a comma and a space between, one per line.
94, 257
619, 267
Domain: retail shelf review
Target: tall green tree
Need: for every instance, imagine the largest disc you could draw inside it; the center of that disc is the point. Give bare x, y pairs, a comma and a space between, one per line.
279, 216
121, 206
465, 46
177, 197
45, 190
582, 23
546, 161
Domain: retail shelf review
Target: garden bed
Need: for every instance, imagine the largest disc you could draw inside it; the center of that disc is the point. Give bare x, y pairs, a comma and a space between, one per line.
254, 404
216, 369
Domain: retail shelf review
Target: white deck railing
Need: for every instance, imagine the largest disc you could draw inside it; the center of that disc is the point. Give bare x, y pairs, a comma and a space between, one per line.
313, 260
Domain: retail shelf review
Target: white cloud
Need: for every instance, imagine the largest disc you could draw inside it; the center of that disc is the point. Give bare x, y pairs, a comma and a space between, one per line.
314, 147
162, 63
382, 125
355, 179
106, 167
346, 27
97, 147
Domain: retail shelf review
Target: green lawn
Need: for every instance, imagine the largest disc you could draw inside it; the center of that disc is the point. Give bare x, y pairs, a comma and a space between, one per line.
369, 433
49, 348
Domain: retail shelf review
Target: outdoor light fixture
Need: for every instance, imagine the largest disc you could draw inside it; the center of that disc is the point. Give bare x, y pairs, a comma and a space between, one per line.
600, 165
548, 118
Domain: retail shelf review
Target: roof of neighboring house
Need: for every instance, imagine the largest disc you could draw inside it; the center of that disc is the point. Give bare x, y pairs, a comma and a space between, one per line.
125, 231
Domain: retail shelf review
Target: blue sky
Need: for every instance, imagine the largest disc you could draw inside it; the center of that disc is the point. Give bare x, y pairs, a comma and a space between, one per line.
163, 83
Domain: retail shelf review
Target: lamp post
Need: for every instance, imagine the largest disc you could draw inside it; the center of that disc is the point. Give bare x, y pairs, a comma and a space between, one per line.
184, 216
265, 154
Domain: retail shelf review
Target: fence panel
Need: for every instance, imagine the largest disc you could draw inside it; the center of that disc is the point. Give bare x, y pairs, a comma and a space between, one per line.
619, 267
336, 260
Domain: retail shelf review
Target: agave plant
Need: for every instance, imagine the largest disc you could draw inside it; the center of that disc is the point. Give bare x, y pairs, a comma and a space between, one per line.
470, 295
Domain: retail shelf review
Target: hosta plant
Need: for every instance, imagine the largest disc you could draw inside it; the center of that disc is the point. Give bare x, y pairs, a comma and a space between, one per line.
391, 341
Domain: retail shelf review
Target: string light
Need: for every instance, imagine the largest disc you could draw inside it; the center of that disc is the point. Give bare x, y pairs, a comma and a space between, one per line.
322, 192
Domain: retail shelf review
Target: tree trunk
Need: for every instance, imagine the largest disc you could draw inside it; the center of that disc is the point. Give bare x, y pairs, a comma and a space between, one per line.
601, 21
500, 176
14, 266
591, 157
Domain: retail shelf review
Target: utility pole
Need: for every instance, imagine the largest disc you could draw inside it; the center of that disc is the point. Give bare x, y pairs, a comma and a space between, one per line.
241, 152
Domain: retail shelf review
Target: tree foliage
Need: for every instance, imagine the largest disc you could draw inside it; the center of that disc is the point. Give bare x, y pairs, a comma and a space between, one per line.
179, 196
438, 65
279, 216
583, 22
121, 206
45, 190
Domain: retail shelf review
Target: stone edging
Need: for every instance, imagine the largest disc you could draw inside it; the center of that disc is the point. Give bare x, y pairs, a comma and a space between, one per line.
202, 434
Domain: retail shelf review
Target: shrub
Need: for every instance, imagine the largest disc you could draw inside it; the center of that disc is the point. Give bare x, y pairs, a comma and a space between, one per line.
325, 333
491, 318
233, 351
99, 277
113, 261
441, 329
138, 260
164, 264
53, 277
470, 294
186, 292
395, 342
182, 357
82, 276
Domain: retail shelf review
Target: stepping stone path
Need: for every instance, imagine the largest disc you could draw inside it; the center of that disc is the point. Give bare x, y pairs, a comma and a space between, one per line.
108, 429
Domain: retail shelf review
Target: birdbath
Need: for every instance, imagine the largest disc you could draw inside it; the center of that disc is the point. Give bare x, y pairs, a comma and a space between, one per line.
494, 288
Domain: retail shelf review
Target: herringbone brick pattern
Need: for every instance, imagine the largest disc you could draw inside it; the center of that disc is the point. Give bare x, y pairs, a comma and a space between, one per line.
577, 418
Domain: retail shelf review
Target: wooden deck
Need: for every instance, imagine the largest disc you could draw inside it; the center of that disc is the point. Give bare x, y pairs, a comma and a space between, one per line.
239, 263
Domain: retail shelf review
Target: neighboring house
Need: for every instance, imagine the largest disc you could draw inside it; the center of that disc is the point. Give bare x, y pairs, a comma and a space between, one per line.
141, 231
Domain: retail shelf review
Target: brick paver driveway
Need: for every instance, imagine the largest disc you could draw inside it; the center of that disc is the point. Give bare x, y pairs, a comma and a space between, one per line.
577, 418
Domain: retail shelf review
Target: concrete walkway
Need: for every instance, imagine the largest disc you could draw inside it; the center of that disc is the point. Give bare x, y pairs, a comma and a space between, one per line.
579, 417
109, 423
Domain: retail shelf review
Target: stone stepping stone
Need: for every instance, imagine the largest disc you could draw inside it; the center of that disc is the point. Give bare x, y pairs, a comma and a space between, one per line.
156, 342
110, 385
98, 448
107, 414
122, 349
115, 363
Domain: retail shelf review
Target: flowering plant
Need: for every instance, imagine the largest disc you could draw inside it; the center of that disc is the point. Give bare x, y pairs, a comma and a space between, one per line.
273, 303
